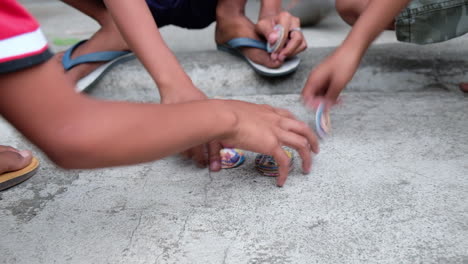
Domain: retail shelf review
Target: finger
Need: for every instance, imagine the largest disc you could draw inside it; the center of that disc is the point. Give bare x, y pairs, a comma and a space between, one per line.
199, 156
283, 165
214, 148
316, 86
12, 160
273, 35
301, 48
302, 130
302, 146
336, 86
266, 29
314, 102
318, 82
296, 39
285, 20
292, 45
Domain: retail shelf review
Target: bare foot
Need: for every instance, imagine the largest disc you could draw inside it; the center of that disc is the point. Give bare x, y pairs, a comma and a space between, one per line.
108, 38
12, 159
239, 26
464, 87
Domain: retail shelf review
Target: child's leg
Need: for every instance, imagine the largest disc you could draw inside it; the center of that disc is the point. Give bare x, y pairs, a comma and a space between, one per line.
350, 10
231, 22
107, 38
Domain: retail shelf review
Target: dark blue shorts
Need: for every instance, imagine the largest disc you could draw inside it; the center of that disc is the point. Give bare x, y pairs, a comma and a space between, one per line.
192, 14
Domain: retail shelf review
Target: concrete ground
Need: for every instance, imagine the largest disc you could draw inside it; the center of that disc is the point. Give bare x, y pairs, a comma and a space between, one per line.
389, 186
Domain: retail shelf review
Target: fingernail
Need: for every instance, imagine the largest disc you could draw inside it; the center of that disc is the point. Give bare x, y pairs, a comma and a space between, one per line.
25, 153
215, 166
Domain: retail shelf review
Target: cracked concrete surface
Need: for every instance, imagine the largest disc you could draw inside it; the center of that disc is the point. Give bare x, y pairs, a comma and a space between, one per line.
389, 186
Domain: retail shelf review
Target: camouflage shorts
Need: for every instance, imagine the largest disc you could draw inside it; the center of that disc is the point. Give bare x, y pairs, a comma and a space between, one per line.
431, 21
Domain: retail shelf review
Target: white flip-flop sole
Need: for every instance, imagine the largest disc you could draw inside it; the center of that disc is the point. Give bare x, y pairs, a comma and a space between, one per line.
289, 66
85, 82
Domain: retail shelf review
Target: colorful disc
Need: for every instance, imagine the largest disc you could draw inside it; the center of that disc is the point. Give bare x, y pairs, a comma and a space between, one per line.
273, 48
231, 158
267, 165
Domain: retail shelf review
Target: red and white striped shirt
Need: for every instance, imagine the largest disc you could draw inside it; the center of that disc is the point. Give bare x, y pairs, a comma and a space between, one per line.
22, 43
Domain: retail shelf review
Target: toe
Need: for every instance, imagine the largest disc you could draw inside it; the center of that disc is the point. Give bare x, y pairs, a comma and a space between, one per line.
12, 161
261, 57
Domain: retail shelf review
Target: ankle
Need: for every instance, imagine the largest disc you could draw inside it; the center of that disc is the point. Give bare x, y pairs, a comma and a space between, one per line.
104, 19
229, 9
111, 38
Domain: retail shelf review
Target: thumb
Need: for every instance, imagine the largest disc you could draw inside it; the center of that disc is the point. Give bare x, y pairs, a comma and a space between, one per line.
266, 28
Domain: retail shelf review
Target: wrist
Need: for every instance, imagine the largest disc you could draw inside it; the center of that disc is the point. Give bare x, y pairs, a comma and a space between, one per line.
353, 48
229, 8
169, 85
269, 8
227, 120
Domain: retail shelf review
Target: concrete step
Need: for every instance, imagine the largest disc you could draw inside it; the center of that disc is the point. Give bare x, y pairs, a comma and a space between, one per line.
387, 68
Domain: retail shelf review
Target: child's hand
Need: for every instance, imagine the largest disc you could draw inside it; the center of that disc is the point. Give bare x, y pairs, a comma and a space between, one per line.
328, 79
292, 44
203, 155
265, 129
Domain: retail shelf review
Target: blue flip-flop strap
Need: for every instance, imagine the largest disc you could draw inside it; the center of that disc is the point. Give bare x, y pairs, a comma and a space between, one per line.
246, 43
69, 63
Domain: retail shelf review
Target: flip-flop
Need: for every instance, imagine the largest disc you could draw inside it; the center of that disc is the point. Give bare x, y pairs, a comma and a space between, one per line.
13, 178
233, 47
111, 57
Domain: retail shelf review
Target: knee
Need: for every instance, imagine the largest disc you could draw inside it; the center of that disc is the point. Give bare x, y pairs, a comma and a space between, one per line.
349, 10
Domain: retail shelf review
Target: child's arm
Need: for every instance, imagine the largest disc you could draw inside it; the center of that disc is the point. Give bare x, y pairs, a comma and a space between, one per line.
329, 78
271, 13
77, 131
139, 29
